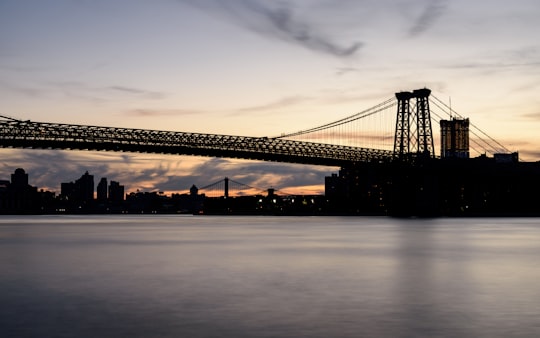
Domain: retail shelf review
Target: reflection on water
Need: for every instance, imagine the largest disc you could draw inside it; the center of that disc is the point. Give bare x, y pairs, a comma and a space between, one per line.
178, 276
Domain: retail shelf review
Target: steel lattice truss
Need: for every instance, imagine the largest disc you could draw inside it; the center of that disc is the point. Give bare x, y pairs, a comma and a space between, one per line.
39, 135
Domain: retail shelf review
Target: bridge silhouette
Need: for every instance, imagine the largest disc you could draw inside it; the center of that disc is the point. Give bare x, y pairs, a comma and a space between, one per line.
387, 154
398, 128
227, 187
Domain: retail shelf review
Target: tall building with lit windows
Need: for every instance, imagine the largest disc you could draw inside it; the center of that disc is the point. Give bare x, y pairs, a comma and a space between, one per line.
455, 138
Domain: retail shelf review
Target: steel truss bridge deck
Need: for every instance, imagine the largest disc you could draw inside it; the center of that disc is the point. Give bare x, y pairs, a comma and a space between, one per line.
40, 135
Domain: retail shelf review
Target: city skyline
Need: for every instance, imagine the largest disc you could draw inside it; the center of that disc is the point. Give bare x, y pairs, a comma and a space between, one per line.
84, 196
214, 188
256, 68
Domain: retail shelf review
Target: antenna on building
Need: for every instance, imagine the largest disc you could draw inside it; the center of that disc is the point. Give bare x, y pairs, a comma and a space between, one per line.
450, 105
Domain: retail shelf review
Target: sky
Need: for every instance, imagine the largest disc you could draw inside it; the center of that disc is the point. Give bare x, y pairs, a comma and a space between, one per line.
255, 68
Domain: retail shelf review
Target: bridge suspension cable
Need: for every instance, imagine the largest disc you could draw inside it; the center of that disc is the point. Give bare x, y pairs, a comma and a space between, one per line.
371, 128
10, 118
368, 112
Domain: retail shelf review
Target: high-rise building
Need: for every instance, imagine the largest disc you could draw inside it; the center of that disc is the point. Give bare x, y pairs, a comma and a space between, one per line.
455, 138
82, 190
19, 196
102, 190
116, 192
67, 190
19, 179
85, 187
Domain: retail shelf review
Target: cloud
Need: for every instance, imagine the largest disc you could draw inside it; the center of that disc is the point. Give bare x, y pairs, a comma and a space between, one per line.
24, 90
80, 91
526, 155
137, 92
275, 105
532, 116
499, 66
47, 168
144, 112
257, 174
152, 172
276, 21
346, 70
262, 174
22, 69
433, 10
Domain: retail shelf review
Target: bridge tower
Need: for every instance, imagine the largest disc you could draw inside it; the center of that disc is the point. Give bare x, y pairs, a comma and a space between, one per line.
414, 136
226, 183
423, 116
403, 121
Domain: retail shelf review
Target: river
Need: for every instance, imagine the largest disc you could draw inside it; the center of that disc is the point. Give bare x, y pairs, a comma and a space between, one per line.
204, 276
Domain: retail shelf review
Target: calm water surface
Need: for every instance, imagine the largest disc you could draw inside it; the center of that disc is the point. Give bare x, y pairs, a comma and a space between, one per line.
186, 276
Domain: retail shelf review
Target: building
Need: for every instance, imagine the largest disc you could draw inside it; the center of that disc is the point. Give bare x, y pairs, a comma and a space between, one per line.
102, 190
455, 138
116, 192
78, 195
18, 196
19, 179
85, 187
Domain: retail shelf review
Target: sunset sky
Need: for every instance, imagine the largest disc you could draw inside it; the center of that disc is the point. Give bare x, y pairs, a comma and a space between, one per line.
255, 68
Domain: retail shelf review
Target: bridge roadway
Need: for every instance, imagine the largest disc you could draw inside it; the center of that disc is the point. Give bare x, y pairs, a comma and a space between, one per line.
39, 135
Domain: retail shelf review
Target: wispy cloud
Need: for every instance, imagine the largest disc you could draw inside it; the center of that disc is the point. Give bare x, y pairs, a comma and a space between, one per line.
150, 172
346, 70
493, 66
24, 90
527, 155
48, 168
137, 92
532, 116
80, 90
275, 105
431, 13
76, 88
23, 69
276, 20
259, 174
151, 112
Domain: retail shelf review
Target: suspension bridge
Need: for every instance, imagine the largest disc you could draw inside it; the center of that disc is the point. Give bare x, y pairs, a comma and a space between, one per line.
388, 155
396, 129
227, 187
